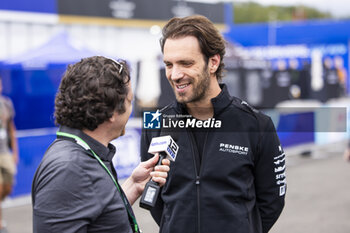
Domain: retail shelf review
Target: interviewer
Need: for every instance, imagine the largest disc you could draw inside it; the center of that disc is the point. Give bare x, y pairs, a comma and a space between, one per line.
75, 188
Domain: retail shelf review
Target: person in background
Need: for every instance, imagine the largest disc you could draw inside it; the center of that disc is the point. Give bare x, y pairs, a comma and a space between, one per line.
229, 176
347, 152
8, 150
75, 188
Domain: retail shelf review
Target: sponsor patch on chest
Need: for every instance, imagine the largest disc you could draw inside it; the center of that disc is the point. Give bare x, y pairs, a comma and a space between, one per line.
234, 149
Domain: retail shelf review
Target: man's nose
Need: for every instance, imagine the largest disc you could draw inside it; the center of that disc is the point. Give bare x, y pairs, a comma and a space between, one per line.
176, 73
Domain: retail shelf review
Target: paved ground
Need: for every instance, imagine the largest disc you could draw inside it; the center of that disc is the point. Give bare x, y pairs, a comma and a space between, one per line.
318, 197
317, 201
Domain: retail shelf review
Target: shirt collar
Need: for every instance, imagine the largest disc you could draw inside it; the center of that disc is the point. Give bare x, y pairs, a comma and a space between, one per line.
105, 153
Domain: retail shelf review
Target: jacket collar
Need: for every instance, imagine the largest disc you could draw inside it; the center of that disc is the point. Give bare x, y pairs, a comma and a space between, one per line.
219, 103
105, 153
222, 101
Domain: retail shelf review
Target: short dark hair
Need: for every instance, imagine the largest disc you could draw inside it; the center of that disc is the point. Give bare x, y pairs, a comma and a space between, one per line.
210, 40
91, 91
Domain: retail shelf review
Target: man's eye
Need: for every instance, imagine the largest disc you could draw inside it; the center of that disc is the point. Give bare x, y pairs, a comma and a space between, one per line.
187, 64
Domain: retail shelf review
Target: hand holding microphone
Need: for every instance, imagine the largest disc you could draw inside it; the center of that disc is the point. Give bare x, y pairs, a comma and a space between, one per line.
167, 148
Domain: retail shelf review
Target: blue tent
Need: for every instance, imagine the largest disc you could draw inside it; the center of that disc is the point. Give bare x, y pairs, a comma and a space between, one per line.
57, 51
31, 80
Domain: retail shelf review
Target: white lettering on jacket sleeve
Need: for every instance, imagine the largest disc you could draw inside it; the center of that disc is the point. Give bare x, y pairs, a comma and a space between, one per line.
280, 170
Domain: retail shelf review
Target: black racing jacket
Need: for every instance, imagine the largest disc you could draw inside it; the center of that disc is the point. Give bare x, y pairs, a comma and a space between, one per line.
239, 186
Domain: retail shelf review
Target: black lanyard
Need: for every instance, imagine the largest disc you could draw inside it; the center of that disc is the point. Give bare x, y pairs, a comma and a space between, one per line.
82, 143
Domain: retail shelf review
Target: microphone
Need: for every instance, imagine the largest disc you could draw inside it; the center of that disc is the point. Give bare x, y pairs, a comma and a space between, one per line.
167, 148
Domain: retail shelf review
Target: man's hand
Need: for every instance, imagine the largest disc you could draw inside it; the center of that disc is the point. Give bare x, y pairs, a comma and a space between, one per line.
145, 170
135, 184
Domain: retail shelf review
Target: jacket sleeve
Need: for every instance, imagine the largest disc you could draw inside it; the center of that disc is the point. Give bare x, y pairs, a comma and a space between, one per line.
146, 138
270, 176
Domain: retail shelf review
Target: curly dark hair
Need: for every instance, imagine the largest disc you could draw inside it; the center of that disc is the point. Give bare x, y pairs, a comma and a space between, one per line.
91, 91
210, 40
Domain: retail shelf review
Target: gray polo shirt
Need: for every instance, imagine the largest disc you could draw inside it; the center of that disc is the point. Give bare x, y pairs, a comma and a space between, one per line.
72, 192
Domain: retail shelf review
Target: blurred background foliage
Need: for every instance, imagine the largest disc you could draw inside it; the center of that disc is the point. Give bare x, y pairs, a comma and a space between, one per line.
251, 12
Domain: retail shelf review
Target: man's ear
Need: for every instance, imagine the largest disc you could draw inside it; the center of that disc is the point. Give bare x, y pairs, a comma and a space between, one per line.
113, 118
214, 62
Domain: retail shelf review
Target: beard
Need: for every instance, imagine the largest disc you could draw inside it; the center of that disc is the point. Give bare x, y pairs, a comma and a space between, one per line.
199, 89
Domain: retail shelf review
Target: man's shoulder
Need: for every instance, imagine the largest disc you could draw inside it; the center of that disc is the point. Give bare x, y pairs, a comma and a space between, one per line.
5, 99
63, 152
62, 159
241, 105
170, 108
245, 108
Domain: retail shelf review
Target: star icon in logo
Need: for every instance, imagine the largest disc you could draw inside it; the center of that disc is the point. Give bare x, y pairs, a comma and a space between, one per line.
156, 115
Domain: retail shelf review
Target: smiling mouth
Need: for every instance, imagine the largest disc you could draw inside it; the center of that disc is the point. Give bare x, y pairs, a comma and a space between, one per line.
180, 87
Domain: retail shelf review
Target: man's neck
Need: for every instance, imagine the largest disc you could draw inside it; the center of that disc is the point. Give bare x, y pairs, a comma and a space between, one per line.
203, 109
100, 134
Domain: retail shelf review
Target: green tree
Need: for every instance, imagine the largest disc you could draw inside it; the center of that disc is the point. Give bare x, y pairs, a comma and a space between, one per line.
250, 12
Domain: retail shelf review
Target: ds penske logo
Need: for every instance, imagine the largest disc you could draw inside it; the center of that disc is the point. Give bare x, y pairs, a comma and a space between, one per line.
234, 149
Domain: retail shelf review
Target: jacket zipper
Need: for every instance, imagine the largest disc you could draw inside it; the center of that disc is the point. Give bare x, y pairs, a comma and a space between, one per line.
197, 181
198, 173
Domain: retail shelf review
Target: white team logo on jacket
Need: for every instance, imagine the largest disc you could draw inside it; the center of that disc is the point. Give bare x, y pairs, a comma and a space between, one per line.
280, 170
234, 149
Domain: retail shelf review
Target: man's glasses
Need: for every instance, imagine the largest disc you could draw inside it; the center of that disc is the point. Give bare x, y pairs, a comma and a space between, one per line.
119, 64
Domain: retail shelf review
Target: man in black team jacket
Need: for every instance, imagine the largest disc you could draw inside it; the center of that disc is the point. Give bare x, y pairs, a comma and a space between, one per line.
229, 174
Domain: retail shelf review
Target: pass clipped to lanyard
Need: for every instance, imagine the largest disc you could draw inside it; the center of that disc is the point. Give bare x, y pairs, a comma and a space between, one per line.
83, 144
